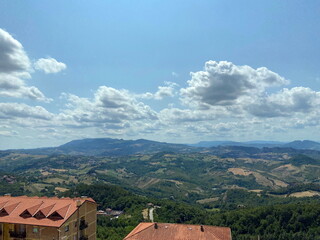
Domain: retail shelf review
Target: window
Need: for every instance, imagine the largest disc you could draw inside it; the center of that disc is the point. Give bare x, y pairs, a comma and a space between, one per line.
55, 216
25, 214
35, 229
66, 228
3, 213
39, 215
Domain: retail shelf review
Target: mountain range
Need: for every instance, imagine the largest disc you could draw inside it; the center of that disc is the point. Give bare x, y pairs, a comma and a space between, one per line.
298, 144
111, 147
120, 147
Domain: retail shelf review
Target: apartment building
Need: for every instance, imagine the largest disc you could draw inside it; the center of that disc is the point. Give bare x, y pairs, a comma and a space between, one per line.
46, 218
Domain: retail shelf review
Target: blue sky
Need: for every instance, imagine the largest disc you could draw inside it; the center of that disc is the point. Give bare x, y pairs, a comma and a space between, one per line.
175, 71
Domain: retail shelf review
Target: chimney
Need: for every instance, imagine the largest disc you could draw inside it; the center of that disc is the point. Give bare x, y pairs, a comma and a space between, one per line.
156, 225
78, 203
201, 228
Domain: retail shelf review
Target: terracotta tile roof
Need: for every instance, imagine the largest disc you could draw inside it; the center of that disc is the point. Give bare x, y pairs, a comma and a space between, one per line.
169, 231
45, 209
63, 211
9, 208
2, 204
32, 210
40, 211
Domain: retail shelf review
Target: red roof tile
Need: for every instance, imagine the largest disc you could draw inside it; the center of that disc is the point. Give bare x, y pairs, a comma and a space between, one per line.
2, 204
22, 210
9, 208
45, 210
63, 211
32, 210
169, 231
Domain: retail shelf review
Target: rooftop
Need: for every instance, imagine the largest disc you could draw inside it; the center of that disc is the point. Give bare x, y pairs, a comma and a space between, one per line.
160, 231
40, 211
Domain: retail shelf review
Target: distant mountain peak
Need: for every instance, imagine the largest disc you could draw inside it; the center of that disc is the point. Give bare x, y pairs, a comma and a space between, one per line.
304, 144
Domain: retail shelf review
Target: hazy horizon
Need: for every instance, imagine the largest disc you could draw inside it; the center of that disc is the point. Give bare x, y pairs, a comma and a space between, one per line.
170, 71
184, 143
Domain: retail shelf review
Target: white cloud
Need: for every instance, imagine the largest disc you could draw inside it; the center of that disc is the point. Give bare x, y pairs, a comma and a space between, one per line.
49, 65
174, 74
10, 82
8, 133
35, 94
177, 115
224, 101
109, 106
223, 83
12, 85
287, 102
20, 110
15, 68
163, 91
12, 55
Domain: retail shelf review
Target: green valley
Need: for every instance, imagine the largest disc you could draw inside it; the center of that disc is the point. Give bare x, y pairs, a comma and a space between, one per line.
225, 185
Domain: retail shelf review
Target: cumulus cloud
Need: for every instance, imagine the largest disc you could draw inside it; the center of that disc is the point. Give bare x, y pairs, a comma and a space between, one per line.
49, 65
13, 85
224, 101
15, 68
163, 91
12, 55
10, 82
109, 106
20, 110
177, 115
120, 113
224, 83
286, 103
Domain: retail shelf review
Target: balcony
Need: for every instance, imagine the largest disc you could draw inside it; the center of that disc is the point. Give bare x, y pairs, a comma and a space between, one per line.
83, 225
18, 234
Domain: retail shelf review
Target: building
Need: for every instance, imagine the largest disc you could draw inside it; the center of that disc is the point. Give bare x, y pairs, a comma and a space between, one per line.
170, 231
47, 218
110, 212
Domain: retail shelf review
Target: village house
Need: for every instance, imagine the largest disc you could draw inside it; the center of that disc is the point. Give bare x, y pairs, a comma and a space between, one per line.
47, 218
110, 212
170, 231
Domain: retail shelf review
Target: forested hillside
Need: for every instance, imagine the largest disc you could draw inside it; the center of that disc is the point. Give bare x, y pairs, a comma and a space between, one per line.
256, 192
297, 220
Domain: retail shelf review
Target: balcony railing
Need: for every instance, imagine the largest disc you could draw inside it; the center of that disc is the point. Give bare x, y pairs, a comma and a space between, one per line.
17, 234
